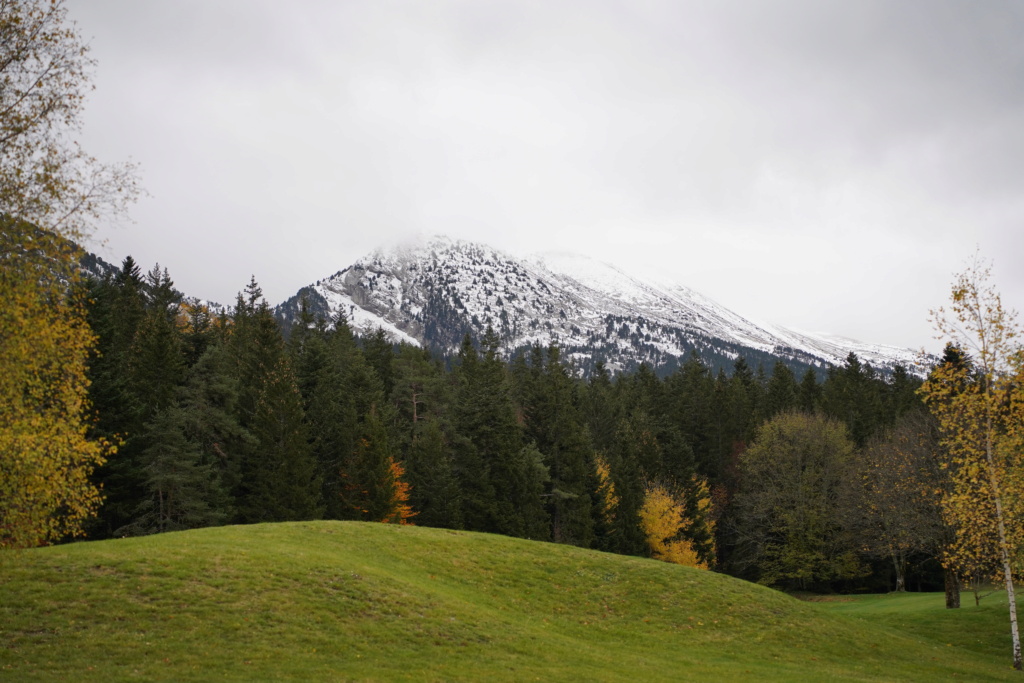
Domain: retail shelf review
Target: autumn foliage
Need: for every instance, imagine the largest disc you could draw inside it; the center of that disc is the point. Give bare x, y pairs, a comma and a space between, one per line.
607, 499
664, 521
978, 403
50, 193
399, 511
45, 492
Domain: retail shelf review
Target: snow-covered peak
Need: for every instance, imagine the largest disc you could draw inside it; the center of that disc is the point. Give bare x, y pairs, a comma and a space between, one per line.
432, 290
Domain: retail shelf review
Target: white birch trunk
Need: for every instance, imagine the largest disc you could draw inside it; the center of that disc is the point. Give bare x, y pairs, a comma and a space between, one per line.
993, 482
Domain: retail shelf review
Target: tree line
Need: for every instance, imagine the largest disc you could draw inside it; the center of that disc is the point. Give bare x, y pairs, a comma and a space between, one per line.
218, 418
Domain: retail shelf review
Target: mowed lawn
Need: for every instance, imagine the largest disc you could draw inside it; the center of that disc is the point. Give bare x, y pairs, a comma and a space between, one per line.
354, 601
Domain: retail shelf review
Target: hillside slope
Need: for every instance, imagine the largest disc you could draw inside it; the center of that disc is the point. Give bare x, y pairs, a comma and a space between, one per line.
353, 601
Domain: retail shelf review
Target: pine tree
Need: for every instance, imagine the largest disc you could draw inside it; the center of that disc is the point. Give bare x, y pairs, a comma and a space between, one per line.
626, 535
278, 477
497, 478
157, 366
689, 393
208, 403
809, 398
853, 394
374, 484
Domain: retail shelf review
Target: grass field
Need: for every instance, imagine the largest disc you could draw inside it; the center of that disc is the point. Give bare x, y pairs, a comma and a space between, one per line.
351, 601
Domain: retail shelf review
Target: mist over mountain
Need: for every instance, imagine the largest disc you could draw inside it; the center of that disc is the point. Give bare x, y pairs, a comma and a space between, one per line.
433, 292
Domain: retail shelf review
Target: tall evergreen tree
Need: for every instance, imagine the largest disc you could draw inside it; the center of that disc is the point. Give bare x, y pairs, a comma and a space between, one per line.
182, 489
626, 535
809, 395
380, 355
370, 483
278, 473
782, 391
853, 394
690, 397
435, 493
498, 477
553, 423
117, 305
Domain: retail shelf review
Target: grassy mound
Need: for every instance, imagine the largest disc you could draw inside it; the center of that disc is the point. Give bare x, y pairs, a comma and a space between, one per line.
335, 600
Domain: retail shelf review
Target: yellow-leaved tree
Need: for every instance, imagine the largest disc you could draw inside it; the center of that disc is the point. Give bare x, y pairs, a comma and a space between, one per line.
978, 399
51, 193
664, 520
607, 499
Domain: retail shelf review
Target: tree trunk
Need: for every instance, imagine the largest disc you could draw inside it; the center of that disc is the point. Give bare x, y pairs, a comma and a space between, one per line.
952, 588
1004, 551
1010, 597
900, 563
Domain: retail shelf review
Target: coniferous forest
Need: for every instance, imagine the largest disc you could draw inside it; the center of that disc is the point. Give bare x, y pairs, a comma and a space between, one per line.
787, 480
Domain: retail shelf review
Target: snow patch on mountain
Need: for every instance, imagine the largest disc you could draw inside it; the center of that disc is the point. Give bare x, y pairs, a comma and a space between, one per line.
433, 291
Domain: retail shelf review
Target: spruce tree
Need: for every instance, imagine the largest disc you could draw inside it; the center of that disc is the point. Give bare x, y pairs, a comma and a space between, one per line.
278, 479
553, 423
626, 536
208, 403
781, 394
369, 483
380, 354
115, 312
497, 478
182, 488
435, 492
809, 394
853, 394
689, 394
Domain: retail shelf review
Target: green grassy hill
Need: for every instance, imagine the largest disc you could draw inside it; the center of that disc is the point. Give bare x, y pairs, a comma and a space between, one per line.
351, 601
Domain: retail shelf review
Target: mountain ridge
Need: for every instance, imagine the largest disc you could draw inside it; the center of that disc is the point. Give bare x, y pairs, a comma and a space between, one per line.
433, 291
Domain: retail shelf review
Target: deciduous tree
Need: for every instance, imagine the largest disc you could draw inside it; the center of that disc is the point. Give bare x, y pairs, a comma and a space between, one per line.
50, 190
979, 411
795, 487
666, 525
902, 485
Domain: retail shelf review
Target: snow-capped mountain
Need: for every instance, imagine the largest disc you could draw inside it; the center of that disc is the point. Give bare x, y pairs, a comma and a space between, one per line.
432, 293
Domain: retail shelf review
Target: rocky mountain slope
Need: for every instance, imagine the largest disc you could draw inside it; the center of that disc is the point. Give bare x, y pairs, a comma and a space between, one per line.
434, 292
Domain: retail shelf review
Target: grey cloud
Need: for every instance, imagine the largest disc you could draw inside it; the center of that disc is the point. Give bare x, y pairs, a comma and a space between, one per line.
761, 152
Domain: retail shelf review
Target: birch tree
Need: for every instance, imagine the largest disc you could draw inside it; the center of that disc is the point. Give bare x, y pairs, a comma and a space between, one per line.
980, 410
51, 193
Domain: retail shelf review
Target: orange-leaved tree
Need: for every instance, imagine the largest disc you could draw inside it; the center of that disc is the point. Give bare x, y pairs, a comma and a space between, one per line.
374, 487
398, 510
980, 409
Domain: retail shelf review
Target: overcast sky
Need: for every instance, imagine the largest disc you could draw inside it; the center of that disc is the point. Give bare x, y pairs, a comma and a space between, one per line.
826, 166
